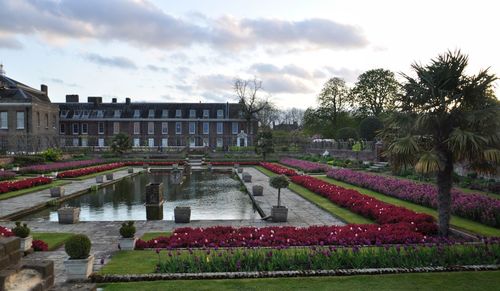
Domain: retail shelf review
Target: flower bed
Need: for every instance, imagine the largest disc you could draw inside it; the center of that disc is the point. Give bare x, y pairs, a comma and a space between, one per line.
60, 166
6, 175
90, 170
6, 232
8, 186
278, 169
366, 206
472, 206
153, 163
305, 166
227, 236
39, 245
246, 163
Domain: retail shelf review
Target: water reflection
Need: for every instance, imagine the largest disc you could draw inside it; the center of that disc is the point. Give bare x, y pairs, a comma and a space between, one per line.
211, 196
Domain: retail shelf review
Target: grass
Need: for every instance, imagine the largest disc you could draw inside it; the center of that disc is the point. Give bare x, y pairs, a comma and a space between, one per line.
322, 202
96, 174
53, 239
457, 222
151, 235
12, 194
131, 262
467, 281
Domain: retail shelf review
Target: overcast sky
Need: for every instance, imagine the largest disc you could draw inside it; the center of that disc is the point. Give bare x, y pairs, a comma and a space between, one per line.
191, 51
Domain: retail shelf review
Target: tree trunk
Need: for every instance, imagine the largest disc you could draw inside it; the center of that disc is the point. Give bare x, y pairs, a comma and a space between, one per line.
279, 194
444, 183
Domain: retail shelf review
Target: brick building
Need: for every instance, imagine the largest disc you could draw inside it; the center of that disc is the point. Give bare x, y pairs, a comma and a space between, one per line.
28, 120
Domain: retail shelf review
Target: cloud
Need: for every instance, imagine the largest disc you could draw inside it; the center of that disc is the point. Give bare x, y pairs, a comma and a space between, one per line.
292, 70
143, 24
157, 69
12, 43
349, 75
117, 62
61, 82
215, 82
285, 85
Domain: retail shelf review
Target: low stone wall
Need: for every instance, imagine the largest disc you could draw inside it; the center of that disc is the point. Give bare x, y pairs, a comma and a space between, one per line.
346, 154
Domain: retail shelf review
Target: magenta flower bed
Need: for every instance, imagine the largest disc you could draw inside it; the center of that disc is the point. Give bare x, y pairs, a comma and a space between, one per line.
305, 166
9, 186
6, 175
476, 207
60, 166
285, 236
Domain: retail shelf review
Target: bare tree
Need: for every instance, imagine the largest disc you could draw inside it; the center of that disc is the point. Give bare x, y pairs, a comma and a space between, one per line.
248, 92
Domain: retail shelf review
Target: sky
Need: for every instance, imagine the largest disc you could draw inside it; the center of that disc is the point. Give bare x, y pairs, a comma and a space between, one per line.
193, 50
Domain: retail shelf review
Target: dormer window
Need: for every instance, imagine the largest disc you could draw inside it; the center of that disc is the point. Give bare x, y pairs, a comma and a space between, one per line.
85, 114
164, 113
206, 113
100, 114
151, 113
192, 113
220, 113
137, 113
77, 114
178, 113
64, 113
117, 114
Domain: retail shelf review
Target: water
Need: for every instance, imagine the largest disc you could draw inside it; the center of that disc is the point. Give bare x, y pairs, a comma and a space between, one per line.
211, 196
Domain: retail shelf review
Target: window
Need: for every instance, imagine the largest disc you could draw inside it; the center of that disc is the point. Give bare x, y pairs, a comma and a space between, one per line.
219, 128
85, 114
38, 119
164, 127
151, 127
164, 113
137, 142
205, 142
116, 127
219, 142
75, 128
137, 127
85, 128
64, 113
4, 120
20, 120
206, 128
206, 113
192, 128
46, 120
137, 113
77, 114
117, 114
151, 113
100, 114
62, 128
100, 142
220, 113
235, 127
164, 142
178, 128
100, 127
54, 121
192, 113
178, 113
76, 142
151, 142
85, 142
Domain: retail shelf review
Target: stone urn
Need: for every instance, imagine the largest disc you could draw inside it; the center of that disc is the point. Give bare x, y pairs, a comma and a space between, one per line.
26, 243
99, 179
109, 176
57, 191
130, 170
257, 190
68, 215
279, 213
127, 243
182, 214
79, 269
247, 178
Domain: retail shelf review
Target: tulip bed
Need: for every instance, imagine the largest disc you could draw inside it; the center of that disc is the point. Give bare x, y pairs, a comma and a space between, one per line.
153, 163
476, 207
6, 175
227, 236
6, 232
245, 163
278, 169
8, 186
306, 166
89, 170
60, 166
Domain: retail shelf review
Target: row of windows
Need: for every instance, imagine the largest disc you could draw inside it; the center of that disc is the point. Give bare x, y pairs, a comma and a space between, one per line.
149, 142
137, 113
4, 120
151, 128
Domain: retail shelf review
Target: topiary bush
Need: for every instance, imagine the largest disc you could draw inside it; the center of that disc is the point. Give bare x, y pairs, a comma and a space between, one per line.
78, 247
127, 230
279, 182
22, 231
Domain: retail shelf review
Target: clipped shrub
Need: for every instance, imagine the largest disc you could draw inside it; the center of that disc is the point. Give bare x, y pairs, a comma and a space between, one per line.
127, 230
22, 161
279, 182
369, 127
347, 133
22, 231
51, 155
78, 247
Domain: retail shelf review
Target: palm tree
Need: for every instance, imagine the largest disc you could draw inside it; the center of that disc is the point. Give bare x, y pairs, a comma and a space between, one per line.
446, 117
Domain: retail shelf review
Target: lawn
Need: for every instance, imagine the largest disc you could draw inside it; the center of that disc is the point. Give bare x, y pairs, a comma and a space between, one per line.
151, 235
467, 281
53, 239
457, 222
32, 189
322, 202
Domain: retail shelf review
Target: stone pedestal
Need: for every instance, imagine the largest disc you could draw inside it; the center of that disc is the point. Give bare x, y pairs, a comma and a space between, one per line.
109, 176
57, 191
182, 214
239, 170
79, 269
99, 179
176, 177
154, 194
26, 243
154, 212
257, 190
247, 178
130, 170
68, 215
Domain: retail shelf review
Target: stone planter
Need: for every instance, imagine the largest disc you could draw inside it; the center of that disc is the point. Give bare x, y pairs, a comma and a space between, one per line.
240, 170
154, 194
130, 170
209, 167
175, 166
15, 169
68, 215
99, 179
257, 190
127, 243
109, 176
57, 191
236, 166
79, 269
279, 214
182, 214
26, 243
247, 178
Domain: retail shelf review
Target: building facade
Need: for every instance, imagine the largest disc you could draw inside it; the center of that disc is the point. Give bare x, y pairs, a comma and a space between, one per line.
28, 120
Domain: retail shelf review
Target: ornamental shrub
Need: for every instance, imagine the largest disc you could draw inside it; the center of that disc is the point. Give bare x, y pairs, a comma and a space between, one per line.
369, 127
279, 182
22, 231
127, 230
346, 133
51, 155
78, 247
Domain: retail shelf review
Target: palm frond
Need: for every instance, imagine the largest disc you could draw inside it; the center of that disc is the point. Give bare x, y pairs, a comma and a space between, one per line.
492, 156
466, 145
403, 151
429, 162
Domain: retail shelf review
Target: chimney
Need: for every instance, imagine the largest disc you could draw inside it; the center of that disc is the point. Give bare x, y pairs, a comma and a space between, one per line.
127, 100
94, 99
72, 98
44, 89
113, 100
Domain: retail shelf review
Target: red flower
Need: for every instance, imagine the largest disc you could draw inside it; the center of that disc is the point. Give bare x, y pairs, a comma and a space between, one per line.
8, 186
